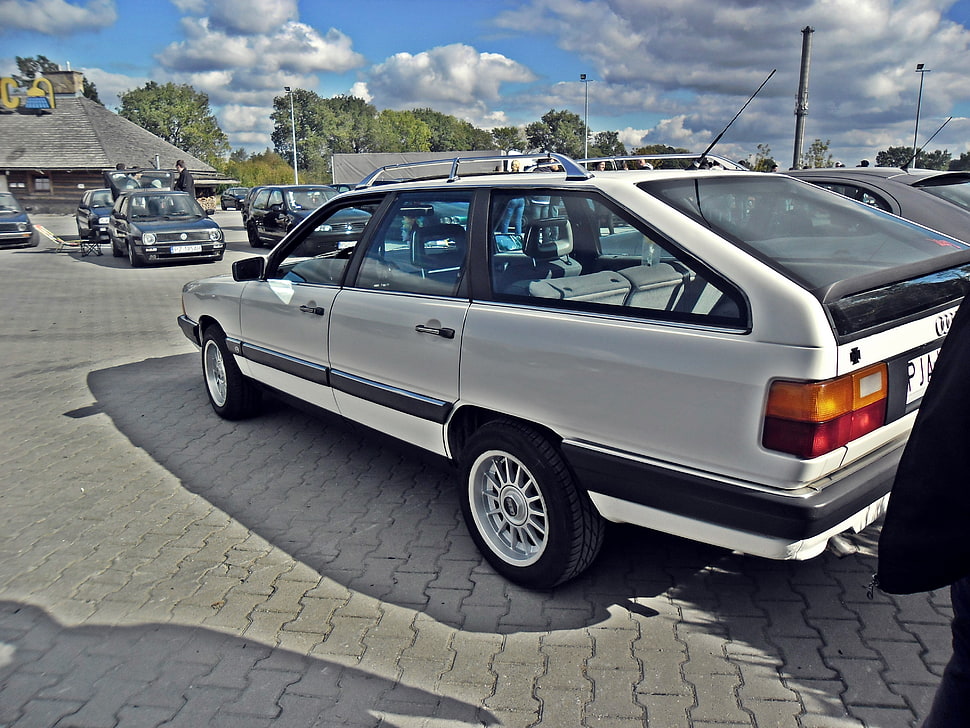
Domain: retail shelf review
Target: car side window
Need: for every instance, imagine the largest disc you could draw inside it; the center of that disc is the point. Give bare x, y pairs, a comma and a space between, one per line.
859, 193
576, 251
260, 203
421, 246
320, 254
275, 198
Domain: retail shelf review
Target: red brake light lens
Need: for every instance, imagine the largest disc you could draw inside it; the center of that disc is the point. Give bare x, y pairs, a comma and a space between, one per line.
809, 419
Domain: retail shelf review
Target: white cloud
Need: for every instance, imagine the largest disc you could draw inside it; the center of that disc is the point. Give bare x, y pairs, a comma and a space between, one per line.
55, 17
698, 61
454, 79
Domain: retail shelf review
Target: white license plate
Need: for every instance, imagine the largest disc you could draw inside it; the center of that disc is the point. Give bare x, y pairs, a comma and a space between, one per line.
186, 248
920, 371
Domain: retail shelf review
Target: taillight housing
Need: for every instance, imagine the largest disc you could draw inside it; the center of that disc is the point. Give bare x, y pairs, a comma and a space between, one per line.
809, 419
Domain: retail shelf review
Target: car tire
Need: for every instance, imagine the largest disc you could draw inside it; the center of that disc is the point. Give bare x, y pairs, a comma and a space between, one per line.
232, 395
224, 208
136, 260
254, 240
523, 508
115, 250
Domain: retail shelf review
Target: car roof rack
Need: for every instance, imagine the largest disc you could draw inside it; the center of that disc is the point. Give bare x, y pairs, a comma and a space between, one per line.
662, 157
497, 164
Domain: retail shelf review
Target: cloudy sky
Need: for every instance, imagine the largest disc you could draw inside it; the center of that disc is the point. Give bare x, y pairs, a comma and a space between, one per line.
660, 71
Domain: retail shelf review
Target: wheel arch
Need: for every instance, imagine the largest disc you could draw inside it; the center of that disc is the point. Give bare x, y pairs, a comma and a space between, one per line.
467, 419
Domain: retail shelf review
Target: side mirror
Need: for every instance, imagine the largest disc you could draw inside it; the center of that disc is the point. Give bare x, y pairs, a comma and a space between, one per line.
248, 269
211, 212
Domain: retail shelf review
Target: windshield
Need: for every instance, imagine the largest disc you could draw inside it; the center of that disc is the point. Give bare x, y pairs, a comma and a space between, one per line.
146, 207
813, 236
8, 203
956, 192
101, 198
308, 199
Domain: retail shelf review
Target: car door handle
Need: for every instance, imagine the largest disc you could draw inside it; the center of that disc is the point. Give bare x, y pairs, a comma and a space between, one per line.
443, 333
318, 310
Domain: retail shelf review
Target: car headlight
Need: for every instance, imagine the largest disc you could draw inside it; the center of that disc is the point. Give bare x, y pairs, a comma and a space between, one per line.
324, 228
104, 220
22, 227
148, 238
215, 235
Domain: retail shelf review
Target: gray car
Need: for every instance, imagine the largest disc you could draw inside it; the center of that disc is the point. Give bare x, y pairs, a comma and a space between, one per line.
938, 200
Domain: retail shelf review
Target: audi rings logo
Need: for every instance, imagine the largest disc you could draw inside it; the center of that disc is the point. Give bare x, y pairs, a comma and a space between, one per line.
943, 323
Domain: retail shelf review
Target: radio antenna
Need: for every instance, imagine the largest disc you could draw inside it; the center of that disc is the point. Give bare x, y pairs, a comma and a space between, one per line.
700, 160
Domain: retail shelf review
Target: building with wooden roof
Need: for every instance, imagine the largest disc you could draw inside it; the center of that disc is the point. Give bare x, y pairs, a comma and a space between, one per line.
56, 143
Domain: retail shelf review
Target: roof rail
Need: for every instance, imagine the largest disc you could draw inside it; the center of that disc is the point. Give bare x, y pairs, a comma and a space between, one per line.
688, 159
573, 170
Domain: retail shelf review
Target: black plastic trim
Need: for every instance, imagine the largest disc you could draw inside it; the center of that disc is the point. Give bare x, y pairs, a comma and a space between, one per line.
425, 408
794, 515
284, 363
190, 328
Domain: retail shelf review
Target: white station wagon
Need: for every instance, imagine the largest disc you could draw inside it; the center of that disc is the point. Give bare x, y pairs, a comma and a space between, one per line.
731, 357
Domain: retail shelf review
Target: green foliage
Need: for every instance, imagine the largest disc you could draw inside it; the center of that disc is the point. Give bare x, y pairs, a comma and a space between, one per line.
894, 157
402, 131
178, 114
449, 133
660, 149
817, 155
963, 163
763, 161
938, 159
265, 168
508, 139
557, 131
607, 144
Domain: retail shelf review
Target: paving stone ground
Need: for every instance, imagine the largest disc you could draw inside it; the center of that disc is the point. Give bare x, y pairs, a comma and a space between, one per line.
162, 567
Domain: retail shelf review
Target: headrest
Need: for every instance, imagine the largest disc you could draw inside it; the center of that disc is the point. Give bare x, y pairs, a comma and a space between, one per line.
548, 238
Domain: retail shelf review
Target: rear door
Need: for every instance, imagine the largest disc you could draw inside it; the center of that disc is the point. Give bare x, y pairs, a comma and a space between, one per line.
395, 333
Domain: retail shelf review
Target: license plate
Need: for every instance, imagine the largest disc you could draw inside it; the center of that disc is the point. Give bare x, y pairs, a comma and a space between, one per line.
186, 248
920, 371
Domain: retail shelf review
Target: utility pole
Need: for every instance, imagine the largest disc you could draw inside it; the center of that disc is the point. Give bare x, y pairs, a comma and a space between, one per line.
801, 101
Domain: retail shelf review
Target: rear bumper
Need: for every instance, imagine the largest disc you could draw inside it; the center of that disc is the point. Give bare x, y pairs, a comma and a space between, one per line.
763, 521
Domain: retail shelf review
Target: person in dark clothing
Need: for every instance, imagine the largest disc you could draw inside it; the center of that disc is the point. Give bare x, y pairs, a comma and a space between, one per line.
184, 182
923, 544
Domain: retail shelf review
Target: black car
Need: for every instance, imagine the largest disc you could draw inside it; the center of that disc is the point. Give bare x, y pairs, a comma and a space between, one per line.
247, 202
276, 210
938, 200
93, 213
155, 226
233, 197
16, 231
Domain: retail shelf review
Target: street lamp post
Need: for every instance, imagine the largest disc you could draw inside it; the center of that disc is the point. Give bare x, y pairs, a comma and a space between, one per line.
296, 176
585, 82
919, 100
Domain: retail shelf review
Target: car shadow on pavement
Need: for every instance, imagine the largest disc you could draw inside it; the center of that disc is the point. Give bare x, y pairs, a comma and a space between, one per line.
152, 674
382, 518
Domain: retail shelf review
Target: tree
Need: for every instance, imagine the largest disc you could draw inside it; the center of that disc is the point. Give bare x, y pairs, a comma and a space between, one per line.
508, 138
817, 155
402, 131
894, 157
314, 124
962, 163
607, 144
178, 114
257, 169
33, 66
557, 131
451, 134
938, 159
763, 161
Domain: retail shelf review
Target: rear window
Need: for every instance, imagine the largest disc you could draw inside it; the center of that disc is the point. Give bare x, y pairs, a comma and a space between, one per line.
956, 192
817, 239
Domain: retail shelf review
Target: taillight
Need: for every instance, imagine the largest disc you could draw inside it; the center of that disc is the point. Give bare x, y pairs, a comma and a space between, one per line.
809, 419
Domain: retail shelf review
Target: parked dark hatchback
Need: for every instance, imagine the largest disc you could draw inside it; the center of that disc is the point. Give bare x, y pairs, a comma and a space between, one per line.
155, 226
938, 200
16, 230
93, 213
276, 210
233, 197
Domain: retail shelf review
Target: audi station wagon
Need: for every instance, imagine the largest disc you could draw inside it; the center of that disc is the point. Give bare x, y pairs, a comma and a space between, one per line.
731, 357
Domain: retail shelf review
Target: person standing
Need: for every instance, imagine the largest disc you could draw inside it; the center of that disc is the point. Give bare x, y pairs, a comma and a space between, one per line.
923, 544
184, 182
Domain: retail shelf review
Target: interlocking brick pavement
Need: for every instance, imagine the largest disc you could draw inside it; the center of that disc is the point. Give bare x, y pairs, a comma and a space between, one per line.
160, 566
